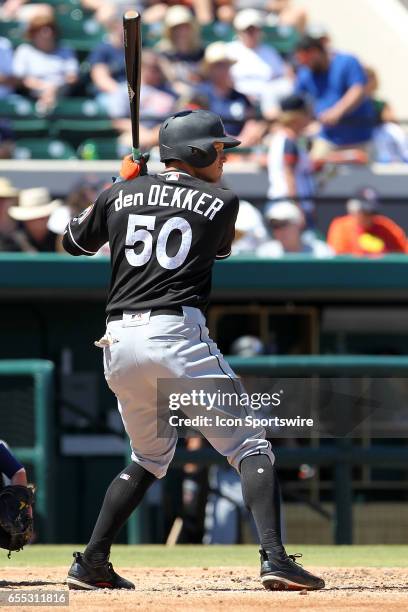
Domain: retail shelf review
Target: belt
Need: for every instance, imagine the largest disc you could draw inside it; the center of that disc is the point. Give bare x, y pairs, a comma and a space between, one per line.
173, 310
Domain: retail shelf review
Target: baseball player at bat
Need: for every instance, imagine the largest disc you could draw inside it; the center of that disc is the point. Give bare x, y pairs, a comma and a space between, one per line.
165, 231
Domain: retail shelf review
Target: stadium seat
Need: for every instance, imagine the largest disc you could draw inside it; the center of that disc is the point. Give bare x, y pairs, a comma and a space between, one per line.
16, 106
102, 148
218, 30
80, 31
43, 149
75, 131
13, 30
283, 39
30, 127
78, 108
151, 34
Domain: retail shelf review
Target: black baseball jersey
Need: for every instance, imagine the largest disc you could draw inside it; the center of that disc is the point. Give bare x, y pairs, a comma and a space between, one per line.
164, 232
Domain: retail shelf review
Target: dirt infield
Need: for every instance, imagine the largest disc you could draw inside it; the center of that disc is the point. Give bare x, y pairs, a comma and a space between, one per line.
195, 589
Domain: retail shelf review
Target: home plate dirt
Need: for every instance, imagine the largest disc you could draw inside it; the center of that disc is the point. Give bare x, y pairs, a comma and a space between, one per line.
195, 589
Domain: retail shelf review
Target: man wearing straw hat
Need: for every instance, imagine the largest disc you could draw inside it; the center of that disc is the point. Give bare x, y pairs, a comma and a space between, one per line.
32, 212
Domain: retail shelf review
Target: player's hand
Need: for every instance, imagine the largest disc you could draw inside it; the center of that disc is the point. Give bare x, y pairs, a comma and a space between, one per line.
131, 169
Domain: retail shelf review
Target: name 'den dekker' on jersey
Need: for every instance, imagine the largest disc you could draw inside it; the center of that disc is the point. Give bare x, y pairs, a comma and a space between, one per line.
164, 232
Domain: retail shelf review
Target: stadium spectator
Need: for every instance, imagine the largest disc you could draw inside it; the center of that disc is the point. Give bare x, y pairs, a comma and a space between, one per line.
258, 67
108, 72
181, 48
154, 11
237, 112
6, 139
286, 221
32, 213
363, 231
8, 197
278, 13
336, 82
46, 68
290, 168
250, 230
23, 10
390, 142
7, 79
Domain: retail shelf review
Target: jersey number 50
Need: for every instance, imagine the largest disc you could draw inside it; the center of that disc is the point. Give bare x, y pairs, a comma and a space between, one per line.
134, 235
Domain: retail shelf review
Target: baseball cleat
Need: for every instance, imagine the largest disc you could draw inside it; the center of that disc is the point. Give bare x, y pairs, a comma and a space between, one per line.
286, 574
87, 577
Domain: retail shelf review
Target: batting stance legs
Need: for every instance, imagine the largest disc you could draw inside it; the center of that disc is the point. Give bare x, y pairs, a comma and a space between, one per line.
141, 350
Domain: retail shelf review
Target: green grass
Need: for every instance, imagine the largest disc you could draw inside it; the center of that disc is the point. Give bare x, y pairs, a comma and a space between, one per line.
216, 556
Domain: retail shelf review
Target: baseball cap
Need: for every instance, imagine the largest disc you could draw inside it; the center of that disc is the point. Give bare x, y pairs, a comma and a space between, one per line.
309, 42
366, 200
247, 18
217, 52
284, 211
317, 31
176, 15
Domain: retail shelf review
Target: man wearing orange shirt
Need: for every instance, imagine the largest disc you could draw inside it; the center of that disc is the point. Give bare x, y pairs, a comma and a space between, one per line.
364, 232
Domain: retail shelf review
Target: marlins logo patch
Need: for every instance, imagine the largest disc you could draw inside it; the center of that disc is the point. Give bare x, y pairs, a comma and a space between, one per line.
84, 214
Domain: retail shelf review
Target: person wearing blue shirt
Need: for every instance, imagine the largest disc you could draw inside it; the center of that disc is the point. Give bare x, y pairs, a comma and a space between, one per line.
335, 83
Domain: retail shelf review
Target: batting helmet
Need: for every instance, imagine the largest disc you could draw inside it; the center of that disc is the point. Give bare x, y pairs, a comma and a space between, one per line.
189, 136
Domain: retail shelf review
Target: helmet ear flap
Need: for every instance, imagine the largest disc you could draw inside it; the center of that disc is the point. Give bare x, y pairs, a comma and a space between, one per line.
202, 156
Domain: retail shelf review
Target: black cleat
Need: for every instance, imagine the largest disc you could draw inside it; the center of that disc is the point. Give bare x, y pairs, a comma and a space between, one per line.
285, 574
81, 575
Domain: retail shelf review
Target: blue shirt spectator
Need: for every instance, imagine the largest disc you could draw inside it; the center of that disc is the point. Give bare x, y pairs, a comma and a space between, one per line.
112, 57
336, 84
233, 107
6, 67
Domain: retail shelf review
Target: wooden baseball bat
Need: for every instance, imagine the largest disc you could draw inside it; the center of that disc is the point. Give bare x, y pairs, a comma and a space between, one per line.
133, 53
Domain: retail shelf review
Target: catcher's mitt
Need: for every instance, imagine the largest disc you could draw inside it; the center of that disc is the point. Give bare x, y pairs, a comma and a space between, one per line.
16, 523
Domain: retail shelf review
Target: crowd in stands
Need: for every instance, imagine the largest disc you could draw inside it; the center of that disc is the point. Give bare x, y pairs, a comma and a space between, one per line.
295, 102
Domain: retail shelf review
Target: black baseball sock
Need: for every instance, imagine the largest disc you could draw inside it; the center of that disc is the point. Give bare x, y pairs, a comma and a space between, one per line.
123, 495
261, 492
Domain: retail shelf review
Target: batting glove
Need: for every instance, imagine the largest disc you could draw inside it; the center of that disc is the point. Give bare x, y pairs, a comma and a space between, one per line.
131, 169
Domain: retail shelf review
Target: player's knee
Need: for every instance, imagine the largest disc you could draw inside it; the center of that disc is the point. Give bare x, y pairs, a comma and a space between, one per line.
253, 447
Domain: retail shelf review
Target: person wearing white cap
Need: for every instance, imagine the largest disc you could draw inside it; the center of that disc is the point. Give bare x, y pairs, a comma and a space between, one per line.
258, 66
236, 111
182, 48
32, 212
8, 197
250, 230
286, 221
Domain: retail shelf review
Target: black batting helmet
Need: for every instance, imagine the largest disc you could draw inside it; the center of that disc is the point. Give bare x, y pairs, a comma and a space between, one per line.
189, 136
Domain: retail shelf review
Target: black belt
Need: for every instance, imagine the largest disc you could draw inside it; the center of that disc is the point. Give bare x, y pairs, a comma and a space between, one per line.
173, 310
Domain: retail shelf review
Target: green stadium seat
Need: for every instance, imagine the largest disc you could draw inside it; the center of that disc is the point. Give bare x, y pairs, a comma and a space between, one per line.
78, 108
283, 39
151, 34
16, 106
102, 148
23, 120
13, 30
80, 31
43, 149
30, 127
218, 30
75, 131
